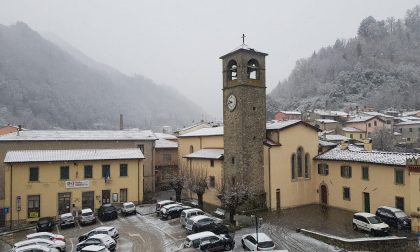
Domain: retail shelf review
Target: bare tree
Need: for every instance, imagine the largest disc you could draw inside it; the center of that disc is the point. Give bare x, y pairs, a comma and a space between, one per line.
233, 194
198, 184
178, 182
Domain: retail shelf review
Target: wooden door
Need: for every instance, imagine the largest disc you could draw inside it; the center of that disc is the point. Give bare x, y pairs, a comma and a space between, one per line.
324, 195
278, 199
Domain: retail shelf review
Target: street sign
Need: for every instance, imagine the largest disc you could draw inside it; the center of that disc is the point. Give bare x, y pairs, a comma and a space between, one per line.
18, 200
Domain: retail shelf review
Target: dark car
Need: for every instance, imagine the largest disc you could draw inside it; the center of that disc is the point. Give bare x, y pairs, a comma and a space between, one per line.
394, 217
221, 243
45, 224
217, 228
172, 213
107, 212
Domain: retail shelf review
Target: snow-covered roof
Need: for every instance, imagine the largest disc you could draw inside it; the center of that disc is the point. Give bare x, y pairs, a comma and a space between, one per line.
360, 119
407, 123
165, 136
291, 112
330, 113
373, 113
207, 154
357, 154
411, 113
280, 125
72, 155
335, 137
326, 121
213, 131
165, 144
351, 129
397, 133
79, 135
326, 143
195, 125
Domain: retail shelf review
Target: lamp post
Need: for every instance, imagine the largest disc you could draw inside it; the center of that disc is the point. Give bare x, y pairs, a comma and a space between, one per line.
257, 220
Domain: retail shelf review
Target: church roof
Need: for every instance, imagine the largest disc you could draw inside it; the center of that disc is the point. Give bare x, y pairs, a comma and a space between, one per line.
243, 48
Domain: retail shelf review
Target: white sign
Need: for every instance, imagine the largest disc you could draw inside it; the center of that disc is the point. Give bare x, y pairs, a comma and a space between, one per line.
77, 184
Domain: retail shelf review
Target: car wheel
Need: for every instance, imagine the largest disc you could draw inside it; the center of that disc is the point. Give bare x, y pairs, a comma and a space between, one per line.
354, 227
399, 226
372, 232
169, 217
243, 245
228, 247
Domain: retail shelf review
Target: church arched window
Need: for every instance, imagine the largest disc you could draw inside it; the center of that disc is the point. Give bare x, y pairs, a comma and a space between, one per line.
232, 70
300, 162
253, 70
293, 165
191, 149
307, 164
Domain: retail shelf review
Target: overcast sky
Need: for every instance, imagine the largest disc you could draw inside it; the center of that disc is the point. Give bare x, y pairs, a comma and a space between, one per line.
178, 42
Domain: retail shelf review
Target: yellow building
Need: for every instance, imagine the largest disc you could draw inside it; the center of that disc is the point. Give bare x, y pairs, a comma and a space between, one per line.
42, 183
354, 133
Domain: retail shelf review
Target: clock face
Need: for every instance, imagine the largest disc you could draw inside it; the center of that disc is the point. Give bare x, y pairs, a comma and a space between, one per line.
231, 102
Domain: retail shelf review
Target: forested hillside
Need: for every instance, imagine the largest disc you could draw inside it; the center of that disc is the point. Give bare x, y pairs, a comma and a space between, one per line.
379, 68
43, 85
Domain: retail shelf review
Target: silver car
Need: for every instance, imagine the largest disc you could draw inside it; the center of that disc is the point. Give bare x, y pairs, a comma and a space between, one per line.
57, 244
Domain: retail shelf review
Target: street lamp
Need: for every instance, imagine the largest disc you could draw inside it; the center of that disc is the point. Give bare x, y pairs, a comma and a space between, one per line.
257, 220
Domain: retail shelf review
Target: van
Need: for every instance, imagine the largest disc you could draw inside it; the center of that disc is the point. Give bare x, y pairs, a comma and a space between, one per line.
394, 217
370, 222
188, 213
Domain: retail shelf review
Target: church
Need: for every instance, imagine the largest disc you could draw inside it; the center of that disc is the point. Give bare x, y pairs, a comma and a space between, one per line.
284, 161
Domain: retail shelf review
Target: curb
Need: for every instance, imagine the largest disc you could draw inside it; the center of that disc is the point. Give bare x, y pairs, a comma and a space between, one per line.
16, 230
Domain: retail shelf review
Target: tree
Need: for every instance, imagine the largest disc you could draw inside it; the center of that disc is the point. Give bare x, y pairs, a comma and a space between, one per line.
198, 184
178, 182
384, 140
233, 194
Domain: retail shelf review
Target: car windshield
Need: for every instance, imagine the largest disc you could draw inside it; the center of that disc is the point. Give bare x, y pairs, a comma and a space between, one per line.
86, 214
43, 221
400, 214
374, 220
129, 206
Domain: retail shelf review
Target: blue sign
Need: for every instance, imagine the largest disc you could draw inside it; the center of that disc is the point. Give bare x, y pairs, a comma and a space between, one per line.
6, 210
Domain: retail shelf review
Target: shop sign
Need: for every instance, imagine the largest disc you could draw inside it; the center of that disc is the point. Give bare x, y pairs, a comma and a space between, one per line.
77, 184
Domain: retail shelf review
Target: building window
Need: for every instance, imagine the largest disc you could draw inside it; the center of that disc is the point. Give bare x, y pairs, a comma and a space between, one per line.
400, 129
375, 123
346, 171
323, 169
346, 193
123, 170
34, 206
300, 162
106, 171
34, 174
399, 202
388, 121
232, 70
141, 147
212, 163
64, 172
123, 195
351, 136
399, 177
369, 125
307, 165
233, 160
212, 182
408, 139
410, 129
88, 171
365, 173
361, 136
293, 165
253, 70
191, 149
167, 157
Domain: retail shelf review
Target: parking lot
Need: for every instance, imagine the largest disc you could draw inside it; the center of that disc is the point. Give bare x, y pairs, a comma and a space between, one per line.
146, 232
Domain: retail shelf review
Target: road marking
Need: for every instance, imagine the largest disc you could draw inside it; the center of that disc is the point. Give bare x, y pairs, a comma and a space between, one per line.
72, 246
137, 235
78, 224
100, 222
58, 230
172, 237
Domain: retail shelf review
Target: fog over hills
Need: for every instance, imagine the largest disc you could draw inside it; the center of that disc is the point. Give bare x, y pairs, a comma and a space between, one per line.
379, 68
45, 83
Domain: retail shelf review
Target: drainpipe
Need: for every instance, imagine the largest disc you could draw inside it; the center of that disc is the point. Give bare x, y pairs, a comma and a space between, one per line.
269, 175
11, 197
138, 181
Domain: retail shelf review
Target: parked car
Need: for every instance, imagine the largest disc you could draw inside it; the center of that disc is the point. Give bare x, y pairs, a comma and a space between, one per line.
98, 239
107, 212
67, 220
86, 216
45, 224
57, 244
162, 203
128, 208
200, 220
45, 235
217, 228
111, 231
37, 248
173, 212
94, 248
188, 213
208, 241
394, 217
249, 242
371, 223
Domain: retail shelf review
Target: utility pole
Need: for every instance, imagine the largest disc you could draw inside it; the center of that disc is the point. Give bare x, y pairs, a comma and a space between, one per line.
258, 222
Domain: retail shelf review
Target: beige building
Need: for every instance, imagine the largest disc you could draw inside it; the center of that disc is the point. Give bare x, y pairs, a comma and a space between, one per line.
43, 183
166, 160
353, 133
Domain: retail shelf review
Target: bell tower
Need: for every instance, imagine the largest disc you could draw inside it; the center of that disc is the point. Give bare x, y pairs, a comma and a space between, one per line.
244, 116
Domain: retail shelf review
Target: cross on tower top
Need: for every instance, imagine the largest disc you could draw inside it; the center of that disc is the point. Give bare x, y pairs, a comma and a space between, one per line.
243, 39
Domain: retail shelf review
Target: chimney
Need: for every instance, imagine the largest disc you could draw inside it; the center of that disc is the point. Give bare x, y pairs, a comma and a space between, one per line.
344, 145
367, 144
121, 122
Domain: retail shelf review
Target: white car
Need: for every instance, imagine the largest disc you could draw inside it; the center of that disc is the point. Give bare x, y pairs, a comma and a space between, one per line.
128, 208
98, 239
94, 248
66, 220
38, 248
249, 242
200, 219
369, 222
45, 235
167, 207
58, 244
86, 216
108, 230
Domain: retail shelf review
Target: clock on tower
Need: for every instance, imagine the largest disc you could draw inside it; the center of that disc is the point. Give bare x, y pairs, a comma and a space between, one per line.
244, 116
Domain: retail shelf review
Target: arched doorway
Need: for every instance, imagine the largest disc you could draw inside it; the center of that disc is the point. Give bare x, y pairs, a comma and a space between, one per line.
324, 194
